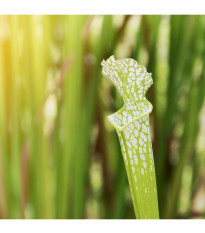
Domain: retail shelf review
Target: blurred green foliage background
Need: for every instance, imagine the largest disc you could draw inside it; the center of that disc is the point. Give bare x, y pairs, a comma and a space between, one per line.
59, 156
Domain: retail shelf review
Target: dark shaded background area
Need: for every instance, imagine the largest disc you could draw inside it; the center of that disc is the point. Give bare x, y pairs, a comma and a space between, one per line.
59, 156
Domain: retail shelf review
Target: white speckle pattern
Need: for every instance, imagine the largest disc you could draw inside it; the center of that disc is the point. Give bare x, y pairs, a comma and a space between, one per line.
132, 87
136, 159
142, 171
132, 125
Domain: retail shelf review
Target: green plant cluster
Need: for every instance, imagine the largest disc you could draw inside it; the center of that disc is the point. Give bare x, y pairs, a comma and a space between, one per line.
59, 156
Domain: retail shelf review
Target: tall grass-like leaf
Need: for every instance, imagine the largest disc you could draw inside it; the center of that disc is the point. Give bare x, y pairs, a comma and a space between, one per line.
5, 193
132, 125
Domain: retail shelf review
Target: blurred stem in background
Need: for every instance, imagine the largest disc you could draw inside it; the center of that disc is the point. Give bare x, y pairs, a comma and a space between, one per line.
59, 157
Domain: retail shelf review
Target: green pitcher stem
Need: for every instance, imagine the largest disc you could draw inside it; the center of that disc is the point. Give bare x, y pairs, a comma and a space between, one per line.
132, 125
